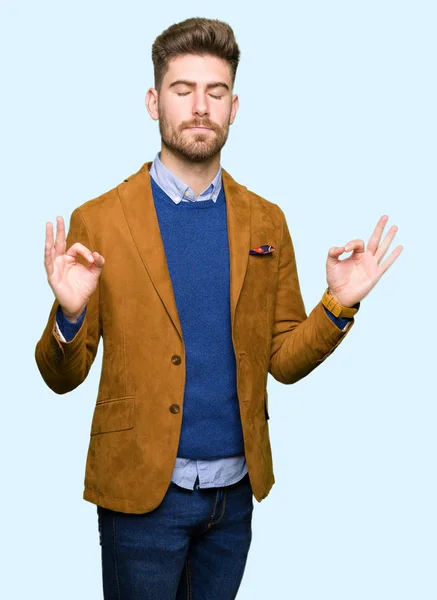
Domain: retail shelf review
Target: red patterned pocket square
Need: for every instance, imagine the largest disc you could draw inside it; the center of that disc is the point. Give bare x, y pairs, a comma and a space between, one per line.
262, 249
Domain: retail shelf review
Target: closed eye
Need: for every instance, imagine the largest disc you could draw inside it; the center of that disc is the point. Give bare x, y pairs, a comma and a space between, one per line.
186, 94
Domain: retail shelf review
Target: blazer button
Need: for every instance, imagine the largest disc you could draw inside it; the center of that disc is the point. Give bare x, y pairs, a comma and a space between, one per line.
174, 408
176, 359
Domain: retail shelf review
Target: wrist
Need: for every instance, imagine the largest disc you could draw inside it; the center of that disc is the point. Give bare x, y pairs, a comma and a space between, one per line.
72, 317
331, 302
329, 291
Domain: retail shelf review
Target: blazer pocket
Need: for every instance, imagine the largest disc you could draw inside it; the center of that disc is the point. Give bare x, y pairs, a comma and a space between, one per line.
113, 414
259, 258
262, 261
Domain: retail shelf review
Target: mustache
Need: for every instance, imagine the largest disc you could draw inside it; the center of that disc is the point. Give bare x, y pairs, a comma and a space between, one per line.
197, 123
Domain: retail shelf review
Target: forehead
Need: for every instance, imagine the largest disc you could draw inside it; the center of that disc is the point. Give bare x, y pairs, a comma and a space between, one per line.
198, 68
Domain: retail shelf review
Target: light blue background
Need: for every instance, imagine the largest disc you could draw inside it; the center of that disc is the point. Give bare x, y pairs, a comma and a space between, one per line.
337, 125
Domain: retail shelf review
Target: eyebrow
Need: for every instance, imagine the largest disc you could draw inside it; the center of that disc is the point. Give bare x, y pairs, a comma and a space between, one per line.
193, 84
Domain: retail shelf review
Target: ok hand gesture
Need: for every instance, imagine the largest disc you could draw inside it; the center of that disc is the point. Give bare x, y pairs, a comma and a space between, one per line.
71, 282
351, 279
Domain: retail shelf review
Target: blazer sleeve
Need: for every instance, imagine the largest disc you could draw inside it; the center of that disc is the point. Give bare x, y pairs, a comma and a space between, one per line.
299, 342
65, 365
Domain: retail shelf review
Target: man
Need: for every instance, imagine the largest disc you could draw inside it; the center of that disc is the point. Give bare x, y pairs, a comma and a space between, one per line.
194, 291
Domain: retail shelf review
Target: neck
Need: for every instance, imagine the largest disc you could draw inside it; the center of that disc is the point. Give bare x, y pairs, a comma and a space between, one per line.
198, 175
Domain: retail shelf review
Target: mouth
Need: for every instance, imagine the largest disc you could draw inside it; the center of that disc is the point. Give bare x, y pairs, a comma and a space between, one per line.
199, 128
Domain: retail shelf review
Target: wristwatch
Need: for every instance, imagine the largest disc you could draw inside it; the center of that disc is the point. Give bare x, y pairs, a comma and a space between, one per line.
337, 309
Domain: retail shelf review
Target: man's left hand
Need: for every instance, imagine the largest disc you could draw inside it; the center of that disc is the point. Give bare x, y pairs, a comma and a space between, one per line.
352, 278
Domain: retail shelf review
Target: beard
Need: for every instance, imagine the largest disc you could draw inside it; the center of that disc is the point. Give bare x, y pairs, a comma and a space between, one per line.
199, 147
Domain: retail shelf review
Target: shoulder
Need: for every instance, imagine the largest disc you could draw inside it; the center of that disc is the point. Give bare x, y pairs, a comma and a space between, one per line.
264, 204
108, 202
269, 210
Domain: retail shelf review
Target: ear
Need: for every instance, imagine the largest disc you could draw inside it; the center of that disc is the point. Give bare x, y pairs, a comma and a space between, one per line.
152, 103
234, 108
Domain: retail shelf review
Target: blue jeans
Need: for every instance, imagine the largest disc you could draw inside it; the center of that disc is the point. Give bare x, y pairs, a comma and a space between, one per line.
193, 546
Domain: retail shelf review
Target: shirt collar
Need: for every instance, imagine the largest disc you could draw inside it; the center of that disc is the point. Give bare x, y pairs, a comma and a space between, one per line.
177, 189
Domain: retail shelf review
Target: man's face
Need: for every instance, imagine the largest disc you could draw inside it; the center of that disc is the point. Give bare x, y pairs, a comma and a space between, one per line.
195, 106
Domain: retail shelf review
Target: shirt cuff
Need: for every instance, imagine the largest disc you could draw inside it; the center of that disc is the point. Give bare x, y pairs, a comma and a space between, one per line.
341, 322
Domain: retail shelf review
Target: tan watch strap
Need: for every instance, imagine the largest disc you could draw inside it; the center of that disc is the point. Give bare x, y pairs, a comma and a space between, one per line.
337, 309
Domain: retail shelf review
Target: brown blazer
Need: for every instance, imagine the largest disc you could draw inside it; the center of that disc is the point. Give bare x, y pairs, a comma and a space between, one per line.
138, 413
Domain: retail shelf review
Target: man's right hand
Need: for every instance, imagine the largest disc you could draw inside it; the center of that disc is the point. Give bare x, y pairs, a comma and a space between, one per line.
71, 282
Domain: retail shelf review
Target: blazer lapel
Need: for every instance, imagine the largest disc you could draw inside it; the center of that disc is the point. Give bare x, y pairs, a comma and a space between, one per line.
238, 216
139, 209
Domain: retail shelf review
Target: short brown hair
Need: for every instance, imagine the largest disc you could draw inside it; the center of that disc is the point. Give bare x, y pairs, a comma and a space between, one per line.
194, 36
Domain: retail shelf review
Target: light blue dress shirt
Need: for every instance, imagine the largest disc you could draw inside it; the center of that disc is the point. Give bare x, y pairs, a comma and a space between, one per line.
179, 191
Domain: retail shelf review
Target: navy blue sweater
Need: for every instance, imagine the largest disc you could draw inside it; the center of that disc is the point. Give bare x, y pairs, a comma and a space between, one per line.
195, 239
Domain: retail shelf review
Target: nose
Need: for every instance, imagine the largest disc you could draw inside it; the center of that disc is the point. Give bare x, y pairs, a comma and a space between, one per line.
200, 104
